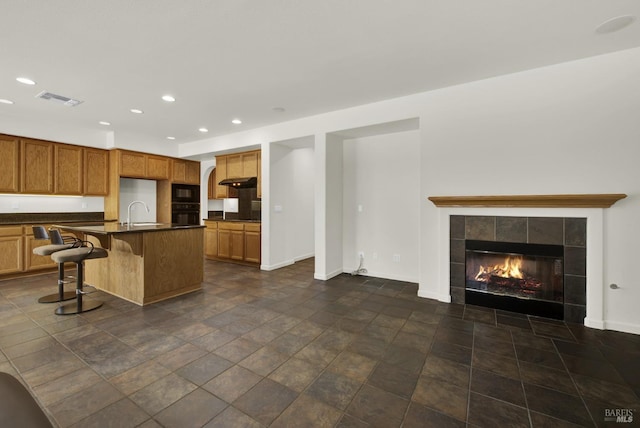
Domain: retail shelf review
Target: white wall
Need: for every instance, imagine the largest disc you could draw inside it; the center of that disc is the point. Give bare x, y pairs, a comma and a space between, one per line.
570, 128
290, 205
50, 204
381, 211
132, 189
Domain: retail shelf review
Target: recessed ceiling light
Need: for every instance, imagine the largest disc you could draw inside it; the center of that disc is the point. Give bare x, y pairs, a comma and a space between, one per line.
102, 122
25, 80
171, 138
278, 109
236, 121
168, 98
136, 111
203, 130
615, 24
3, 101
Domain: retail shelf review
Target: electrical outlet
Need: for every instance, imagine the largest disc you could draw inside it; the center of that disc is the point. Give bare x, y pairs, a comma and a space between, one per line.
396, 258
84, 205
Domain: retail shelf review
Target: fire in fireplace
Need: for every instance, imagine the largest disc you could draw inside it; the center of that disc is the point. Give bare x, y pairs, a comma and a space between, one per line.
517, 277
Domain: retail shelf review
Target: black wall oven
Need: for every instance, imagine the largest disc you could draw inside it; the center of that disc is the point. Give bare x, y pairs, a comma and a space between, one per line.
185, 214
185, 193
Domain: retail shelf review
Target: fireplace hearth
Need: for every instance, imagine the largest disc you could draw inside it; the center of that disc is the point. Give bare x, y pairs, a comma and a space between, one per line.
517, 277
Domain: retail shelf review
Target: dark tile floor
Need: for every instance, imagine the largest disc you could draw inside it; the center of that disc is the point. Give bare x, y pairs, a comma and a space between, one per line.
281, 349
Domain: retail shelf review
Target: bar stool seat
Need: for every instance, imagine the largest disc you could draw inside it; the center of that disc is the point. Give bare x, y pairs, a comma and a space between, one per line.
40, 233
78, 255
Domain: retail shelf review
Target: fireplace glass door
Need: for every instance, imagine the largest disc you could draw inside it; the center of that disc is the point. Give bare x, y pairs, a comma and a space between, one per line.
514, 276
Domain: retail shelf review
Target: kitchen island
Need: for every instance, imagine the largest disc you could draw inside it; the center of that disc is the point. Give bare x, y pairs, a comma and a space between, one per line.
147, 262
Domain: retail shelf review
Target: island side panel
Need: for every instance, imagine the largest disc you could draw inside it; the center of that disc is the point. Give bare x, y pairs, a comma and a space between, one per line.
173, 263
122, 272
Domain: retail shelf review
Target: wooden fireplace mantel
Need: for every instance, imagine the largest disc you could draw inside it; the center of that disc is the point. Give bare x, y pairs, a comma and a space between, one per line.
530, 201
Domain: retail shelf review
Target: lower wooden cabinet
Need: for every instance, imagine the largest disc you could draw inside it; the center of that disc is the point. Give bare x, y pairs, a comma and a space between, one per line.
16, 251
237, 241
11, 244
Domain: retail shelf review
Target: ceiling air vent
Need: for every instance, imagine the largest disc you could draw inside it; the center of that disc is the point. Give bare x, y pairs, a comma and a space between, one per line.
66, 101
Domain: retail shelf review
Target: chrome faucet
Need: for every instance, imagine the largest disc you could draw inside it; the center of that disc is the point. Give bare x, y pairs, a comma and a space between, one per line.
129, 210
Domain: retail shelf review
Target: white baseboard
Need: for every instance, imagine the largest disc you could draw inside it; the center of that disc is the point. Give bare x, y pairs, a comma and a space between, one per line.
591, 323
446, 298
277, 265
386, 276
621, 326
304, 257
327, 276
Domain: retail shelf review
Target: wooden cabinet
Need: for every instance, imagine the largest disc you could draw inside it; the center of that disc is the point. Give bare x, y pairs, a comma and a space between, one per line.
211, 185
36, 166
211, 239
9, 164
252, 242
237, 165
96, 172
34, 261
221, 174
157, 167
132, 164
11, 242
185, 171
259, 190
68, 168
236, 241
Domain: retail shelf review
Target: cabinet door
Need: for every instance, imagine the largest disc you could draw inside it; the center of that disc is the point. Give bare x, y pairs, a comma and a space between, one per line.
36, 167
157, 167
250, 164
192, 172
252, 246
234, 166
34, 261
178, 171
211, 185
259, 161
133, 164
237, 245
11, 242
96, 172
211, 242
9, 161
221, 174
68, 169
224, 243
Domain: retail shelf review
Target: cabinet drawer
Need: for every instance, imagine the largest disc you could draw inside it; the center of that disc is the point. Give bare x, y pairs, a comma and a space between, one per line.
252, 227
231, 226
211, 224
10, 230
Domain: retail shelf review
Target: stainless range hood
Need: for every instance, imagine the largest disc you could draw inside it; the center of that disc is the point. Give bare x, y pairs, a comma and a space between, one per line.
240, 183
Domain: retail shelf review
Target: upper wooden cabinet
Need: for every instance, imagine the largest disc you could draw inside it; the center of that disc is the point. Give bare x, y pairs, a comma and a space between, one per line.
68, 169
157, 167
237, 165
36, 166
211, 185
96, 172
259, 190
9, 164
132, 164
185, 171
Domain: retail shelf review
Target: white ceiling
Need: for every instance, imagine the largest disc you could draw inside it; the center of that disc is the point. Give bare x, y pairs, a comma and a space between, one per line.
228, 59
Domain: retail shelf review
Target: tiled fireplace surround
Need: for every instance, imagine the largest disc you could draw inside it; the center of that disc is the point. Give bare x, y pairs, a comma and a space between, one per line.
568, 231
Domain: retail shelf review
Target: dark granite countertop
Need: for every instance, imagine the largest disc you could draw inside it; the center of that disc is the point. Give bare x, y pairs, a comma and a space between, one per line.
10, 219
232, 221
114, 228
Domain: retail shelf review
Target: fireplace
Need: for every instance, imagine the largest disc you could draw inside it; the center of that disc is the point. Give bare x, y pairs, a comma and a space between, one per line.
518, 277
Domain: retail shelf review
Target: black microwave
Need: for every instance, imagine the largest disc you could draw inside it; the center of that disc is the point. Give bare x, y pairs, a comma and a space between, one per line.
185, 193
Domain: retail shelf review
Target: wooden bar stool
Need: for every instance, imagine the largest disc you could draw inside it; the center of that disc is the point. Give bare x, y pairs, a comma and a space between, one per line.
78, 253
40, 233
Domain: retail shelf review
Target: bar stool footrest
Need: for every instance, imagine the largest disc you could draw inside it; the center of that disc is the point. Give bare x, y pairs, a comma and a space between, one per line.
72, 308
55, 298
